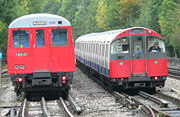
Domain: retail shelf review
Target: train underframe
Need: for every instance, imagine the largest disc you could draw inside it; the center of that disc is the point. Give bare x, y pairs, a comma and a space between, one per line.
126, 83
42, 82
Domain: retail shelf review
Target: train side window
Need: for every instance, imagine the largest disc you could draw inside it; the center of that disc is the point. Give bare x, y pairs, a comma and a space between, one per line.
40, 38
21, 39
120, 46
59, 37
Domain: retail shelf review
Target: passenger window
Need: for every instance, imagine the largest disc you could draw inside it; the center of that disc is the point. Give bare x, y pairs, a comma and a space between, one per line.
40, 38
21, 39
120, 46
59, 37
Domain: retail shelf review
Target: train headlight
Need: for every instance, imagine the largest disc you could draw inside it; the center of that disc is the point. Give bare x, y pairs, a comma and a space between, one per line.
22, 66
16, 66
149, 31
121, 63
156, 61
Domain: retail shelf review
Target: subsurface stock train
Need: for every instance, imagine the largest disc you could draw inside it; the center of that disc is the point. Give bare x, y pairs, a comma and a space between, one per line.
41, 53
124, 58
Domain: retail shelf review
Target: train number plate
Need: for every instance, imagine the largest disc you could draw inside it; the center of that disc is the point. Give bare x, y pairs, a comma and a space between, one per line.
41, 82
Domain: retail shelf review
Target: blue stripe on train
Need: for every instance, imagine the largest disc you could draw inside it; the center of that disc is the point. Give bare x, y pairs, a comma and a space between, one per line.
93, 65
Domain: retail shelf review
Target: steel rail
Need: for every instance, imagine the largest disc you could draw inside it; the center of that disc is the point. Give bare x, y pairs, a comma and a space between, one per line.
174, 73
175, 90
44, 108
145, 109
74, 105
62, 103
176, 101
24, 109
160, 113
162, 102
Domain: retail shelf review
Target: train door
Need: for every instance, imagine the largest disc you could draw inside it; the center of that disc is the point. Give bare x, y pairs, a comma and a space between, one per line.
41, 51
138, 55
19, 51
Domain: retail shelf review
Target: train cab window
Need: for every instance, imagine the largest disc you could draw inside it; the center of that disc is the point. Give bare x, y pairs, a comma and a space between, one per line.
21, 39
120, 46
137, 44
155, 44
40, 38
59, 37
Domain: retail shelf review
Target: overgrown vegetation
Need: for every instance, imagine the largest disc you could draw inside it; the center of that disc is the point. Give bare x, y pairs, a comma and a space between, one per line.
89, 16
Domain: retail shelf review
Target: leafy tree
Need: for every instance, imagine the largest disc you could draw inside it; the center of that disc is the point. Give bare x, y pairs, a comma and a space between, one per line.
36, 6
21, 8
149, 14
113, 14
52, 6
9, 10
129, 12
101, 18
165, 20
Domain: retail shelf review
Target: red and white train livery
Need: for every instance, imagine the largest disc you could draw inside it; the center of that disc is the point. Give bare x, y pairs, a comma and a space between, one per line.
124, 57
41, 53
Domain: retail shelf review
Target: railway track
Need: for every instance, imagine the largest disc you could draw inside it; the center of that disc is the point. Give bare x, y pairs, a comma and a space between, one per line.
164, 108
174, 73
52, 108
162, 104
127, 100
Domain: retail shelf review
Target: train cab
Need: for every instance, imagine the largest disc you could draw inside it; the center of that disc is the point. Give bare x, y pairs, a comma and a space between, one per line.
138, 56
40, 52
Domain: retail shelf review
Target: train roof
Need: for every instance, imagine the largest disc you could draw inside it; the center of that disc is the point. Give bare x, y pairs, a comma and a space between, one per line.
107, 35
39, 20
102, 36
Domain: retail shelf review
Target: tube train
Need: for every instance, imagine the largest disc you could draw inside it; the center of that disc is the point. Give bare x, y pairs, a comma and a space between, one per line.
124, 58
40, 53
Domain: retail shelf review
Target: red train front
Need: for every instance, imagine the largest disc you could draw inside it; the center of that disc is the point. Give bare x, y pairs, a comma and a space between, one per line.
141, 61
127, 58
41, 53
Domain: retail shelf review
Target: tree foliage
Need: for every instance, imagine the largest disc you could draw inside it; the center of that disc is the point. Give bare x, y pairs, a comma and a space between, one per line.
101, 17
129, 12
88, 16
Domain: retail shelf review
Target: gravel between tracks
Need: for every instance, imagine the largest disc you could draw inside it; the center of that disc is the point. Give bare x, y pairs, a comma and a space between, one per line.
7, 97
95, 101
169, 84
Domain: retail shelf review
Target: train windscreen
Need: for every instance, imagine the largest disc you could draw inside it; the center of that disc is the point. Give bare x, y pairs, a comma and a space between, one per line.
21, 39
155, 44
40, 38
59, 37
